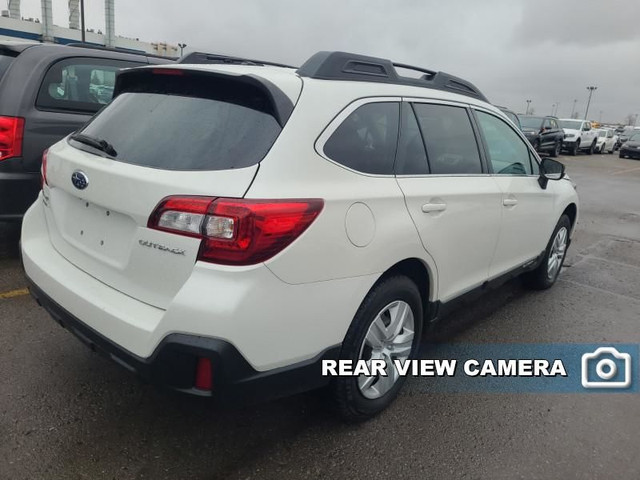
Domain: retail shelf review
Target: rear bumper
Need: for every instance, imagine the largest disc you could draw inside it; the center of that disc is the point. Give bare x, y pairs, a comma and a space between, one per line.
265, 337
17, 192
173, 363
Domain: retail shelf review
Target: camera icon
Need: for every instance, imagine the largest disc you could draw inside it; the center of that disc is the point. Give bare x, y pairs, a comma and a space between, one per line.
606, 368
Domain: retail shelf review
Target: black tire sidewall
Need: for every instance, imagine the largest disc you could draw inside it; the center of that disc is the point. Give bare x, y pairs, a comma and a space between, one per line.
352, 404
538, 278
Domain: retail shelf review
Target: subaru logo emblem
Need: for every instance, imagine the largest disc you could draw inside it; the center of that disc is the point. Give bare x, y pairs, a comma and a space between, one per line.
79, 180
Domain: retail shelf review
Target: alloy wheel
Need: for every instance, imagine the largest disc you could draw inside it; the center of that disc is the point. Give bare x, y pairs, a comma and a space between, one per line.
556, 255
390, 337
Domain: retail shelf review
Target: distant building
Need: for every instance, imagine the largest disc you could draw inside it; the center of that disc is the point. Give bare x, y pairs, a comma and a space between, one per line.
13, 27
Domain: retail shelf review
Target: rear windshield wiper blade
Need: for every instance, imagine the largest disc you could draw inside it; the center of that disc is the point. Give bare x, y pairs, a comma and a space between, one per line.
96, 143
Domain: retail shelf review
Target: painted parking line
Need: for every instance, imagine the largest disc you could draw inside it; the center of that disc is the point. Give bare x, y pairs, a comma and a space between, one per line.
14, 293
621, 172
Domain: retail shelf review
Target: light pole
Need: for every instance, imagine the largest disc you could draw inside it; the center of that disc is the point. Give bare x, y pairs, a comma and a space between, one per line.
528, 103
553, 109
82, 29
591, 90
182, 45
573, 110
600, 117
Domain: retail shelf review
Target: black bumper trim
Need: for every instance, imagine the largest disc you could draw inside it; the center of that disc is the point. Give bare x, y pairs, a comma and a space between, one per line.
173, 363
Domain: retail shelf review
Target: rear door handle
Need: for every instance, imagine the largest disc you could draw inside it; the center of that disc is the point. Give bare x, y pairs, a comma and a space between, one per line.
434, 207
509, 202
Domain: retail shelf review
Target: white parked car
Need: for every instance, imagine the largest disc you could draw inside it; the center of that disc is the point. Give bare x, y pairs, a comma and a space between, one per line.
606, 140
222, 229
579, 136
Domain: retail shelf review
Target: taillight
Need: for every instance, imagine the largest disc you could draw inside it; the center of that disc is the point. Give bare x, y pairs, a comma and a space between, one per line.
43, 169
236, 231
11, 131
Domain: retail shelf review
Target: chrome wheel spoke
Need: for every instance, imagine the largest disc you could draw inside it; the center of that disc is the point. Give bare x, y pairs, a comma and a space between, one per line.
398, 317
376, 334
556, 255
365, 382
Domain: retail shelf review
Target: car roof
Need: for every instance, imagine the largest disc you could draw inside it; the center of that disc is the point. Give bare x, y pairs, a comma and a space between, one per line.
79, 49
288, 80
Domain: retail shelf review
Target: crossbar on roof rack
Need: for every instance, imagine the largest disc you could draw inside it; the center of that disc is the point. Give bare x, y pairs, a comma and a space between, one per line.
214, 58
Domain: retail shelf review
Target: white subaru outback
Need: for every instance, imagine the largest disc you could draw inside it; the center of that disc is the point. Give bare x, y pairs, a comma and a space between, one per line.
222, 228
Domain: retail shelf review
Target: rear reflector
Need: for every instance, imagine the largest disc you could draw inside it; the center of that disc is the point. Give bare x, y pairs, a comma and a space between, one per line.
204, 374
43, 169
236, 231
11, 132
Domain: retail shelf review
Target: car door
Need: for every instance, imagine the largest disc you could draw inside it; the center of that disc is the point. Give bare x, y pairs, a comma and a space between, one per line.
453, 201
610, 141
547, 136
527, 208
556, 133
588, 135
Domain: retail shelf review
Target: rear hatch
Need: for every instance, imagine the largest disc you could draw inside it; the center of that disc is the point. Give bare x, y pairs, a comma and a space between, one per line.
168, 131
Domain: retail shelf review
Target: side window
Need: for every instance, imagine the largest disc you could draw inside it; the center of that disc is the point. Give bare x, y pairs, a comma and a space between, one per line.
449, 138
554, 124
546, 124
79, 84
411, 158
508, 154
366, 140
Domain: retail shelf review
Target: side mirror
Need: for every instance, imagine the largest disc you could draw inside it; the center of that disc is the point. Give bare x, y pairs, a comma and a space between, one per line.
550, 170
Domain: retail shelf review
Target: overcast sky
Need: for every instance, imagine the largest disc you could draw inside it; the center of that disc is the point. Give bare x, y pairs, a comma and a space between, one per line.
545, 50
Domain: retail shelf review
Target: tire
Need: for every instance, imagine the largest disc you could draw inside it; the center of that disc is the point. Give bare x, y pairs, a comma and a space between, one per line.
546, 274
592, 149
620, 155
347, 392
557, 149
576, 147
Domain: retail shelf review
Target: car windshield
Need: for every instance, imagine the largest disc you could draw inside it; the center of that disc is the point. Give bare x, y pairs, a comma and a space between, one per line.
571, 124
602, 133
635, 137
530, 122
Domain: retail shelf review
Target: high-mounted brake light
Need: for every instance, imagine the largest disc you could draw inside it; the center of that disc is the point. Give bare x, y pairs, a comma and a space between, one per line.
236, 231
167, 71
43, 169
11, 132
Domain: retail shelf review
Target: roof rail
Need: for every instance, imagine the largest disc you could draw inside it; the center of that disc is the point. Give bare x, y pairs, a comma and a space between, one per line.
215, 58
354, 67
91, 46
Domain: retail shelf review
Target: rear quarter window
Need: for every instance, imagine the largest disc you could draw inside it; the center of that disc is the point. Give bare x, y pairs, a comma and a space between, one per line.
79, 84
366, 140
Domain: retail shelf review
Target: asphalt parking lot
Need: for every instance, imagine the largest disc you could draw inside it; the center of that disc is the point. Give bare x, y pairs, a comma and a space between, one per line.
66, 413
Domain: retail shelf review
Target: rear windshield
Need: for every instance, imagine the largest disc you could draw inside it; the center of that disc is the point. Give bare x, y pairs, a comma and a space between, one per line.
196, 125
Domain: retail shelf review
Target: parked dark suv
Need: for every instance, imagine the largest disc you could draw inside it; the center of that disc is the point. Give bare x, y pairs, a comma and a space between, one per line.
544, 133
46, 92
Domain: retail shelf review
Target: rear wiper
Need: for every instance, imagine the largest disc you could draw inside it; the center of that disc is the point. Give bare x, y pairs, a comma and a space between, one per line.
96, 143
